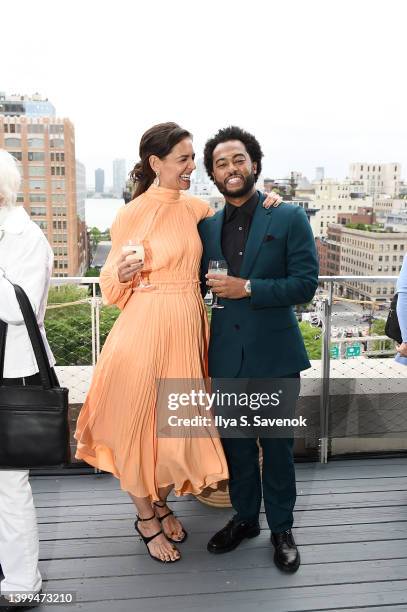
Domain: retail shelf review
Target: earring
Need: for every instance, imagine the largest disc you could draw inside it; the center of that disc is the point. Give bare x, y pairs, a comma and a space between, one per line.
157, 180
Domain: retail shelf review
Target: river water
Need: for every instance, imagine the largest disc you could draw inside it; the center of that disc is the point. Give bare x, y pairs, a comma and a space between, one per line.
101, 212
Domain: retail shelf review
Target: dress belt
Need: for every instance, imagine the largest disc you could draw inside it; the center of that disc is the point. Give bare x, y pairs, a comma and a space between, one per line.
169, 286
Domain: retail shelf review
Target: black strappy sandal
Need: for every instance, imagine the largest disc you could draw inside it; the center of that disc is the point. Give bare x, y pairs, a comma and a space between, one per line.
161, 518
148, 539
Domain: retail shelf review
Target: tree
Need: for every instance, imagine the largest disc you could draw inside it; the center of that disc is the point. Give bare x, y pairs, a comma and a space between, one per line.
312, 339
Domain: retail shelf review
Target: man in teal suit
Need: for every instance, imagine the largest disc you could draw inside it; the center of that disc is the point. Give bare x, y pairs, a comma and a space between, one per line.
272, 266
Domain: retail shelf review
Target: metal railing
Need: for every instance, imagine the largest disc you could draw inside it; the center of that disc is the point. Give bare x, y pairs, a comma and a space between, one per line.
341, 351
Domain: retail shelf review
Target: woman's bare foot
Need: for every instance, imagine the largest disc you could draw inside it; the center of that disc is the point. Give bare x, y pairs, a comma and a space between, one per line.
171, 525
160, 547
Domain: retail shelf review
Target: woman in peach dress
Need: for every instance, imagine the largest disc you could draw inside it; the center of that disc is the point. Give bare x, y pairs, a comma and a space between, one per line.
161, 333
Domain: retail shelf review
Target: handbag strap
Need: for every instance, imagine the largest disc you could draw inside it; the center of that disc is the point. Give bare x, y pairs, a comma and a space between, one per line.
37, 342
3, 335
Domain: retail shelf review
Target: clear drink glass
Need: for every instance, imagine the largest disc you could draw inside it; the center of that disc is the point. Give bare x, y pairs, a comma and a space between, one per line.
217, 266
135, 249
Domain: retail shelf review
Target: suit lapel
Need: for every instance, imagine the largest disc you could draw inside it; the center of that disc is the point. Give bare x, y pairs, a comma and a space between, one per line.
258, 230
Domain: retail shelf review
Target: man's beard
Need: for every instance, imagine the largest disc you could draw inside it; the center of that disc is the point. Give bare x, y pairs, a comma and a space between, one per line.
249, 183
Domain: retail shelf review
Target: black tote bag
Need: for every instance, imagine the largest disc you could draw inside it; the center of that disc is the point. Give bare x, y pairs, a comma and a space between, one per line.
34, 428
392, 327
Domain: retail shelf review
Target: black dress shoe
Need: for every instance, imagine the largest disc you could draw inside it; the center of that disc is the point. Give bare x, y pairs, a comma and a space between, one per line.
286, 556
230, 536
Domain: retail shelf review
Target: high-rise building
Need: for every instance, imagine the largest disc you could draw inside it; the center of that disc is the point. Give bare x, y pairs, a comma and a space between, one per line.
119, 177
99, 180
377, 178
319, 173
30, 106
80, 207
45, 150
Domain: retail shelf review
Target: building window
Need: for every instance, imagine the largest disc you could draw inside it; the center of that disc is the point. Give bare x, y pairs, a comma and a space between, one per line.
56, 143
57, 185
17, 155
13, 142
36, 156
36, 170
56, 129
43, 224
20, 197
36, 184
39, 211
36, 143
35, 197
35, 128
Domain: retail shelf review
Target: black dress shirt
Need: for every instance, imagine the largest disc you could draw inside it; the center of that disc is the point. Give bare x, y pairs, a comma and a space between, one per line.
235, 231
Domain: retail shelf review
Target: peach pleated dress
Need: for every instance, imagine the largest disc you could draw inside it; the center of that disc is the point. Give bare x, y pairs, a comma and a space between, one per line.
161, 333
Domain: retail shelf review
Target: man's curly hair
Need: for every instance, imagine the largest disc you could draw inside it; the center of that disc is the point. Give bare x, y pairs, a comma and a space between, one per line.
233, 133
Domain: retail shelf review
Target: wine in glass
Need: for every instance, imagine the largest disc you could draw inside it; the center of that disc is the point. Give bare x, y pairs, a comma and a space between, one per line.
134, 249
217, 266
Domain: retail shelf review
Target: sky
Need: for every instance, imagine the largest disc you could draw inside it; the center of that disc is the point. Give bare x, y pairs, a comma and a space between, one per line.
319, 83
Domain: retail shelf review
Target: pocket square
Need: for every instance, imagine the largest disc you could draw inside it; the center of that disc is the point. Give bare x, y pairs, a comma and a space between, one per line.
268, 237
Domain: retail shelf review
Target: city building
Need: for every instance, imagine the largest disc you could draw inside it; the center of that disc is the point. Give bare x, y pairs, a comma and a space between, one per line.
201, 184
396, 221
322, 250
333, 197
128, 191
99, 180
386, 205
364, 215
357, 252
45, 150
319, 173
119, 177
216, 201
377, 178
81, 191
30, 106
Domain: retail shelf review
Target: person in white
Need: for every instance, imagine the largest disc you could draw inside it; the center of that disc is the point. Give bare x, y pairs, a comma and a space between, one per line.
26, 259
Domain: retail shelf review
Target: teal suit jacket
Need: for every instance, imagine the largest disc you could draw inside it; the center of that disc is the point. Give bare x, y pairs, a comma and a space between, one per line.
281, 262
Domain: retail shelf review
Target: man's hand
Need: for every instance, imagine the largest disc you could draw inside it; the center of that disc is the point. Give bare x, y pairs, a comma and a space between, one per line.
227, 286
402, 349
127, 267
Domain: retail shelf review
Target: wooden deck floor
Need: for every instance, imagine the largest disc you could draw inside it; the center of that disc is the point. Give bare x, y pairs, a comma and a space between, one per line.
350, 523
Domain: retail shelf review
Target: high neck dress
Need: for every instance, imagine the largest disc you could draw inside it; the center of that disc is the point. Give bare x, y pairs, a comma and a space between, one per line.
161, 333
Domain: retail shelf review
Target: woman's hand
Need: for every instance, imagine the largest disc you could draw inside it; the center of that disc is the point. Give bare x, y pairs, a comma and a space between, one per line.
127, 267
272, 200
402, 349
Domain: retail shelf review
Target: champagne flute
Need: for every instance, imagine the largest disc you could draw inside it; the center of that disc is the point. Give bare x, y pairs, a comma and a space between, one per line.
217, 266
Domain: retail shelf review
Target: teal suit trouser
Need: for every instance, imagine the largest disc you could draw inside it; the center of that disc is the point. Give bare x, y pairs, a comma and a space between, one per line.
278, 475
